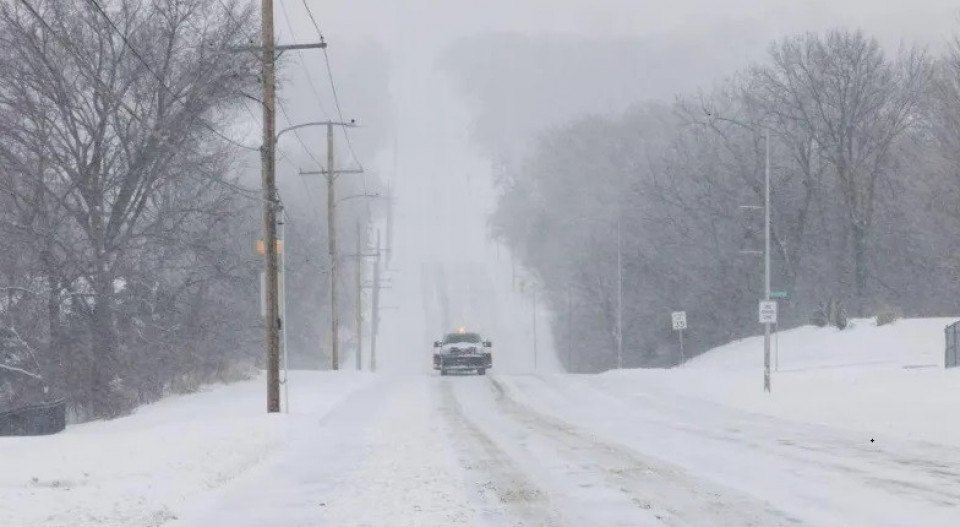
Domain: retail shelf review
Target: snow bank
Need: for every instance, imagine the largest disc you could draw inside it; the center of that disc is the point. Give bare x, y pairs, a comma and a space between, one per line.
137, 470
880, 381
905, 343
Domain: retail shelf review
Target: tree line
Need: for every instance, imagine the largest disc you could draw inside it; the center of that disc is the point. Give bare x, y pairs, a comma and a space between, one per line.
127, 270
865, 162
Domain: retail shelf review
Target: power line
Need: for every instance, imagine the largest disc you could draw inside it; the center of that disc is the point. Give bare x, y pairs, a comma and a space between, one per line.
316, 92
312, 19
333, 85
296, 133
280, 104
283, 110
336, 100
306, 188
306, 70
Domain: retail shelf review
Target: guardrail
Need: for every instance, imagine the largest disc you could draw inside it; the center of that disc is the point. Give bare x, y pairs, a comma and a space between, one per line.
35, 420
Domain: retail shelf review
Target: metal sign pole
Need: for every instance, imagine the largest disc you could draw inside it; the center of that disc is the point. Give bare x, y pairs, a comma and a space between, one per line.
679, 320
681, 347
776, 346
283, 310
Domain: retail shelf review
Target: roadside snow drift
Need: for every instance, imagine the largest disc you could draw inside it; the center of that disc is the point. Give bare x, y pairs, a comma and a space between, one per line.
881, 381
138, 470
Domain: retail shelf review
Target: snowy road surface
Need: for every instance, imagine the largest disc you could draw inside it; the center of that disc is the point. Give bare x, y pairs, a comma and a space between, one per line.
556, 450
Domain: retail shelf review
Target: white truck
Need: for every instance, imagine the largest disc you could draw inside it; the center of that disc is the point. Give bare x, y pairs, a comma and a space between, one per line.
462, 351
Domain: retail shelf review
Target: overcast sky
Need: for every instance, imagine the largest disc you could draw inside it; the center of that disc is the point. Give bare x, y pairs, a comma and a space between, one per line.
381, 46
393, 21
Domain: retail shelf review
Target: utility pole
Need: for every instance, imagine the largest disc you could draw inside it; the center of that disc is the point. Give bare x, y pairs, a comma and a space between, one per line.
375, 308
272, 310
283, 308
619, 295
331, 172
766, 264
332, 247
536, 355
766, 254
268, 160
389, 241
359, 298
268, 49
569, 329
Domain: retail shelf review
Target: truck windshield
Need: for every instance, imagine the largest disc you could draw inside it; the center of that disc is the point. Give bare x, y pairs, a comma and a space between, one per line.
460, 338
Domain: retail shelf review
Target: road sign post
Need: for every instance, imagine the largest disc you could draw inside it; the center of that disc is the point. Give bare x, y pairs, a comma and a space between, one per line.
679, 319
768, 316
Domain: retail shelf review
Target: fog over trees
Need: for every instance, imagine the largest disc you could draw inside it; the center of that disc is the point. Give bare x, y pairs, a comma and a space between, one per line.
863, 159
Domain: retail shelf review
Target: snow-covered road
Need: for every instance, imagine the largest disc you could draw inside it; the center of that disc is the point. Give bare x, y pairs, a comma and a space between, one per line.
853, 435
557, 450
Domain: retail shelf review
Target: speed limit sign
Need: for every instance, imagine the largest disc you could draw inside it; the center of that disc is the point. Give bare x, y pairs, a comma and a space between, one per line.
679, 320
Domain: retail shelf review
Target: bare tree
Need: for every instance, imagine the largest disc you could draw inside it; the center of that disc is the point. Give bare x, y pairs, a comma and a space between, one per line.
841, 94
105, 114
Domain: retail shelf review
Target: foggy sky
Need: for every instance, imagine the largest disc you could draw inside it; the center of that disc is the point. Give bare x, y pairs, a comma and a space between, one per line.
375, 45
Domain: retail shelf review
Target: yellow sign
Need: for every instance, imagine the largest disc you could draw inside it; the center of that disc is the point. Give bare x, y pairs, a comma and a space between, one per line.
262, 247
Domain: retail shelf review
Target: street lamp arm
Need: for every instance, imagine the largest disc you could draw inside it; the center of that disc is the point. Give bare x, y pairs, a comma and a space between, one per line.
357, 196
751, 127
351, 124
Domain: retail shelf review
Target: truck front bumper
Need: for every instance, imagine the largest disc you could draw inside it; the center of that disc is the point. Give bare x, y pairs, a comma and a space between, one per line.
462, 361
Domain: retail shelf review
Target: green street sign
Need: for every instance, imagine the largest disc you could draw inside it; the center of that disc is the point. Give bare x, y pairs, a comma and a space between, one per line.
779, 294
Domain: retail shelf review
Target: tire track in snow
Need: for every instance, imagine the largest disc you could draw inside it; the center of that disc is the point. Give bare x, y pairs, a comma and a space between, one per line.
508, 496
684, 499
927, 476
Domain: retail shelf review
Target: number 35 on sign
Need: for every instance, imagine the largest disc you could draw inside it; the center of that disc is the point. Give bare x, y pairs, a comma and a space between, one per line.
679, 320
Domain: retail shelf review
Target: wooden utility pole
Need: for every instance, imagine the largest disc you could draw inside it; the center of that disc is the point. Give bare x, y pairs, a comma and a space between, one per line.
332, 247
272, 321
268, 161
569, 330
375, 308
389, 241
359, 297
331, 172
619, 294
535, 353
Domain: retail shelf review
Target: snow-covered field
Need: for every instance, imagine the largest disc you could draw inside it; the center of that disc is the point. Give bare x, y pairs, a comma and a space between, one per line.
884, 381
857, 431
139, 470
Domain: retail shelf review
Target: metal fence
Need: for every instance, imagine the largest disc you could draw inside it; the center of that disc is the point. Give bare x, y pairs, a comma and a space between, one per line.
951, 357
